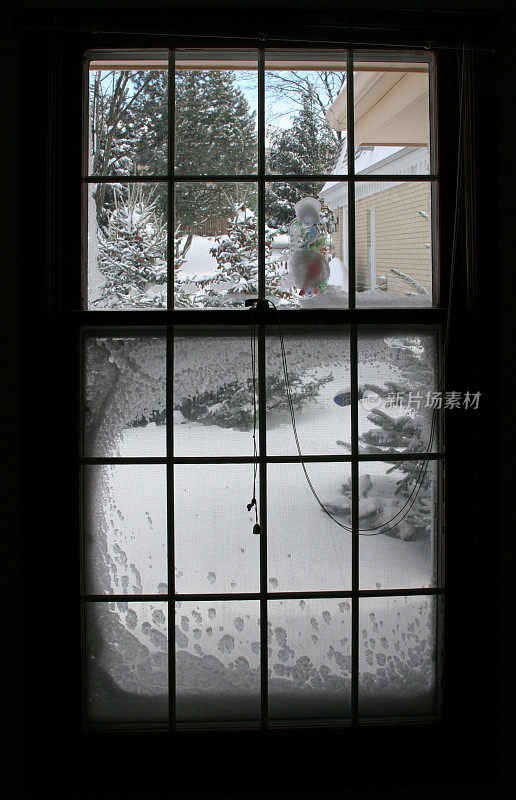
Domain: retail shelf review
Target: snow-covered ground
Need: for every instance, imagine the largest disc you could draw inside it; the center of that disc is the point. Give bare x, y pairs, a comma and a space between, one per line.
199, 263
218, 648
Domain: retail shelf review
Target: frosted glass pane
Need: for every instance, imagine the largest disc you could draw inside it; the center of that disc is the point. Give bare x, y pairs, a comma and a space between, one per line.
397, 377
124, 396
305, 248
125, 529
128, 119
216, 550
300, 88
217, 660
306, 549
397, 656
309, 659
398, 518
318, 370
215, 245
393, 229
215, 112
126, 660
213, 395
391, 116
127, 246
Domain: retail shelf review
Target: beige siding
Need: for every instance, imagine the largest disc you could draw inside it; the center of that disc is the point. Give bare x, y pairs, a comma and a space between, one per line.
402, 236
336, 237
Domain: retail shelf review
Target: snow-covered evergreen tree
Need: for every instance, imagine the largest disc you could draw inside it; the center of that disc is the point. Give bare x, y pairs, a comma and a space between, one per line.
132, 255
308, 146
404, 433
215, 135
237, 257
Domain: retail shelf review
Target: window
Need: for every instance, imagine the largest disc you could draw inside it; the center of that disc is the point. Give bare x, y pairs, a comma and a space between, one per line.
306, 181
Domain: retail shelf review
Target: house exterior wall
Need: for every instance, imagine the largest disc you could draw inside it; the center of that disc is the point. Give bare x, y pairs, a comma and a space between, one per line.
402, 235
339, 246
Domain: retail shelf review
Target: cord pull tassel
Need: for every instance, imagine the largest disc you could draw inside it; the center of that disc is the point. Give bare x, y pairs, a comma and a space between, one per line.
256, 529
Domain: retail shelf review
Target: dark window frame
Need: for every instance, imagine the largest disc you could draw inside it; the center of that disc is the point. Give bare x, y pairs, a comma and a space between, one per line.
350, 321
397, 745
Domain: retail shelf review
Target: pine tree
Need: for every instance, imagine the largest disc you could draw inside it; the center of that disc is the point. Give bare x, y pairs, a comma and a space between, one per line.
230, 405
306, 147
236, 253
404, 434
215, 134
132, 255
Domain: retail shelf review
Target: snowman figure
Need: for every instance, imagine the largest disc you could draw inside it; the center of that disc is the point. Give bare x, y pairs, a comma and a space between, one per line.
309, 268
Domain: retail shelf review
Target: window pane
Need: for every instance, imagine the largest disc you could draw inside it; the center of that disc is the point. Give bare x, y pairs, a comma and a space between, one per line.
307, 550
305, 250
391, 115
124, 396
398, 409
318, 372
215, 112
128, 117
125, 529
309, 646
399, 524
127, 246
218, 660
213, 393
216, 550
397, 656
393, 244
215, 244
126, 662
300, 88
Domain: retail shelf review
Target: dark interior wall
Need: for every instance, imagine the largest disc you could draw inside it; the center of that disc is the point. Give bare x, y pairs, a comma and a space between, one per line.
23, 256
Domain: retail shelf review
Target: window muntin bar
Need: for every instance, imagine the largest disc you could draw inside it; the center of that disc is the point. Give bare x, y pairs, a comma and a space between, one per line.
355, 459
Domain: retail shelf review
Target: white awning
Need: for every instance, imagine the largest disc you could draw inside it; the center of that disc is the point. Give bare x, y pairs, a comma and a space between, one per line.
391, 108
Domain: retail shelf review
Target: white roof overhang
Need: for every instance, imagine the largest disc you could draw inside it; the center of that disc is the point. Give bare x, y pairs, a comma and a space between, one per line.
391, 108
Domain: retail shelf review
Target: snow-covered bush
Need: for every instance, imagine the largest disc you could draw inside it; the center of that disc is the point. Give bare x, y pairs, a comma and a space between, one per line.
236, 253
231, 405
132, 255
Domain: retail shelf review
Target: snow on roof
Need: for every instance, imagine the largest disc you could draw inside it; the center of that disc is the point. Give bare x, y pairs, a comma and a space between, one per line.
377, 160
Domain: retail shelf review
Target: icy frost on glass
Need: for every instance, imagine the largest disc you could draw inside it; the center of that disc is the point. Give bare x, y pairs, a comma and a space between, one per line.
309, 647
126, 662
217, 660
399, 524
318, 371
213, 395
125, 528
127, 246
397, 377
306, 549
397, 656
215, 549
124, 396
